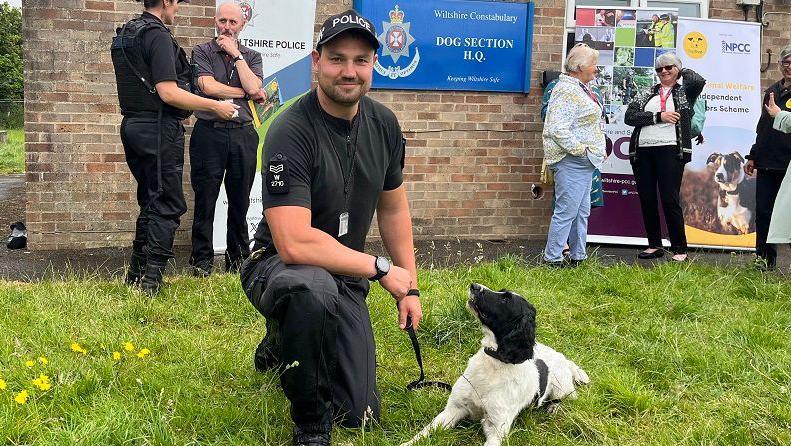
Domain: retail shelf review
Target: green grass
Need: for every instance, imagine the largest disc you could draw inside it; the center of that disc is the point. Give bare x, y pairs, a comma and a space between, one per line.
678, 354
12, 152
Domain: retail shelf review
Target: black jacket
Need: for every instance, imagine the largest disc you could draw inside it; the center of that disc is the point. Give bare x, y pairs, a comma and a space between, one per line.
684, 97
772, 148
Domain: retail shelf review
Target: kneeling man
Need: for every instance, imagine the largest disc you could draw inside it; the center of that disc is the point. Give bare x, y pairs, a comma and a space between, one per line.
329, 161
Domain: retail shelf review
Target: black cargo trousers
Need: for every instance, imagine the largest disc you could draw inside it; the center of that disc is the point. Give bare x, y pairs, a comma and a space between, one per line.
222, 152
160, 194
325, 340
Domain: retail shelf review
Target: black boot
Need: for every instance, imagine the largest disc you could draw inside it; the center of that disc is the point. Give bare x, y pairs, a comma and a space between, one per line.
302, 438
267, 354
137, 267
152, 279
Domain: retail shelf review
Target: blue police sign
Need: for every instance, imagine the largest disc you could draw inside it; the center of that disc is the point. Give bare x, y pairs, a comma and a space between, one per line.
452, 44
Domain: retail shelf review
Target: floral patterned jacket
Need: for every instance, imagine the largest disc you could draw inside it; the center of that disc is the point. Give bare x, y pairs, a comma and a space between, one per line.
573, 123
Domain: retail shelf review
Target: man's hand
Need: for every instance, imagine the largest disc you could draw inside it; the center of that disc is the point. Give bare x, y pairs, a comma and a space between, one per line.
259, 96
749, 168
397, 282
670, 117
409, 306
225, 110
771, 107
229, 45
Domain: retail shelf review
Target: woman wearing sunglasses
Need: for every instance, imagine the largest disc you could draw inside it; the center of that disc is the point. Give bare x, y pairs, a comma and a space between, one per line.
660, 146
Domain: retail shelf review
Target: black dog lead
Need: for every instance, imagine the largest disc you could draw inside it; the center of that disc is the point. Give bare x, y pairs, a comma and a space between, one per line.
421, 381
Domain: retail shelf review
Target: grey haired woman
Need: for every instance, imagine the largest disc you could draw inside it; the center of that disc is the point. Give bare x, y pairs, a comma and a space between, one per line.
660, 146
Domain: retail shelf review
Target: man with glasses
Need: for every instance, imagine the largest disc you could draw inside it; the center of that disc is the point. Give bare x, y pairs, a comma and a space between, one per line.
769, 158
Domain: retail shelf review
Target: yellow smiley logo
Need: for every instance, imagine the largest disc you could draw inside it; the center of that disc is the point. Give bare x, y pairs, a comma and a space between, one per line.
788, 104
695, 45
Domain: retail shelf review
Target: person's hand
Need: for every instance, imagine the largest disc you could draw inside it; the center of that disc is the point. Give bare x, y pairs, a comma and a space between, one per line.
699, 139
409, 306
749, 168
259, 96
225, 110
397, 282
670, 117
228, 44
771, 107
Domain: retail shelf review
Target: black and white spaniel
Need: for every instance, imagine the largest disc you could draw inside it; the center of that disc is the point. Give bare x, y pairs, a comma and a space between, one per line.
734, 191
510, 372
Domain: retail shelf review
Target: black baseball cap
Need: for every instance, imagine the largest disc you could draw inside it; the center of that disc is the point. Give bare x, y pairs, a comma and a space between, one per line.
349, 20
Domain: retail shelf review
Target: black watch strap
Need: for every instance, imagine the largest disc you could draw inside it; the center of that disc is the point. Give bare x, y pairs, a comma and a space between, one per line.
380, 272
377, 276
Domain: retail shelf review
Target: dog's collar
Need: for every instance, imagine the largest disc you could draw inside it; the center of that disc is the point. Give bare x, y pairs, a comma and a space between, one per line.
494, 354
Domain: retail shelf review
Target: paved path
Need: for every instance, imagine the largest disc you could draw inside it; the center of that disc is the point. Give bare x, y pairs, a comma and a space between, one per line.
109, 262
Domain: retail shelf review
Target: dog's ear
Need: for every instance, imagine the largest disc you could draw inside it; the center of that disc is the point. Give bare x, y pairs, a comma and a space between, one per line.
516, 345
713, 158
738, 156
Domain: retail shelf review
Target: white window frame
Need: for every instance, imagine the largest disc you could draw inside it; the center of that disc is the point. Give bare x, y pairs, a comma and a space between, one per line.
572, 4
571, 25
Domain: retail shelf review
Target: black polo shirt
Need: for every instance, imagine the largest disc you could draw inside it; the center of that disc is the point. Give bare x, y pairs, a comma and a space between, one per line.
314, 144
165, 59
211, 60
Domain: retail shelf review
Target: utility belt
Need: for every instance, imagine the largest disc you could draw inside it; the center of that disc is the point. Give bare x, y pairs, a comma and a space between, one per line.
150, 115
226, 124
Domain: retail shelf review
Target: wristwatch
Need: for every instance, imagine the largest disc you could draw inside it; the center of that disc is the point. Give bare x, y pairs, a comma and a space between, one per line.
238, 58
382, 266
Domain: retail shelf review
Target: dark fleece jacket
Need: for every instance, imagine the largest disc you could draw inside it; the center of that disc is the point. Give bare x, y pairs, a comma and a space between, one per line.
772, 148
684, 97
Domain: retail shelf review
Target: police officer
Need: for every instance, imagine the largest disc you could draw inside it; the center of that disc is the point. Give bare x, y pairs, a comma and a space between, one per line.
153, 75
224, 148
331, 160
769, 159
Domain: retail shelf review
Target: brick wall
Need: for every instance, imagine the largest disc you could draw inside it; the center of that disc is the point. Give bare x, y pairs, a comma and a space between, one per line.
471, 156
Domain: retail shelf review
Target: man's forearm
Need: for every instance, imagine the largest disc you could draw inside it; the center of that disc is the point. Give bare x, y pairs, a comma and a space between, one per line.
395, 227
211, 87
318, 248
250, 82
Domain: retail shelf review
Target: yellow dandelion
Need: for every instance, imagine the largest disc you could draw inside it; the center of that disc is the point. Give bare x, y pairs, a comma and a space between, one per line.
128, 346
77, 348
29, 364
21, 397
3, 384
43, 360
42, 382
116, 356
143, 353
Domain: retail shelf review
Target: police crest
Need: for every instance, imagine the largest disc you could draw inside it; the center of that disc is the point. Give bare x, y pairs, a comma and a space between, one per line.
248, 10
396, 40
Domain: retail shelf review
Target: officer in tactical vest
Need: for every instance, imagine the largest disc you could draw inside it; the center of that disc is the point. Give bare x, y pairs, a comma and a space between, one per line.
153, 78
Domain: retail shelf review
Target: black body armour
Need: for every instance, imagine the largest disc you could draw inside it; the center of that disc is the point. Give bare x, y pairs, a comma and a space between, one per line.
136, 94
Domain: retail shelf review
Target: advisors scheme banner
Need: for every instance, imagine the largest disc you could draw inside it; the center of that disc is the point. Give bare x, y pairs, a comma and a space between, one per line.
718, 198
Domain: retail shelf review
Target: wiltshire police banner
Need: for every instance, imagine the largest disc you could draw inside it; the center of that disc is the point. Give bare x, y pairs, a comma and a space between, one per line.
452, 44
718, 198
628, 41
282, 31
